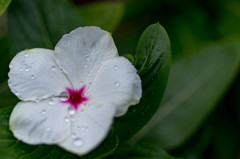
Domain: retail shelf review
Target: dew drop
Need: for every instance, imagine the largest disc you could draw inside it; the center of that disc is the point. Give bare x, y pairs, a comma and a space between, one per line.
82, 111
91, 53
116, 84
27, 68
32, 77
87, 58
17, 134
115, 67
20, 69
89, 74
81, 82
66, 119
71, 110
48, 128
53, 68
26, 55
10, 66
50, 102
64, 96
73, 135
37, 100
43, 112
85, 65
78, 142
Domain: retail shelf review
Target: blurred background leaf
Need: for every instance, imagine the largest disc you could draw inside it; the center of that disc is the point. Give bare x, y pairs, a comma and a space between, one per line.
40, 23
106, 15
3, 5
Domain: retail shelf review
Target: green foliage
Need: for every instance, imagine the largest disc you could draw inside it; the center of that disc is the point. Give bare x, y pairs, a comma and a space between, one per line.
11, 148
142, 150
36, 28
3, 5
196, 84
153, 60
106, 15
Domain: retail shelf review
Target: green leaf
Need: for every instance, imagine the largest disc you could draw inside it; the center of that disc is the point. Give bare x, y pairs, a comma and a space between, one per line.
196, 84
106, 15
106, 148
40, 23
5, 58
153, 60
11, 148
129, 57
3, 5
141, 151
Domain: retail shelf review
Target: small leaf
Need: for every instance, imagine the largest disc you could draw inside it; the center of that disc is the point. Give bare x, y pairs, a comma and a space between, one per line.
129, 57
106, 15
10, 147
3, 5
153, 60
196, 84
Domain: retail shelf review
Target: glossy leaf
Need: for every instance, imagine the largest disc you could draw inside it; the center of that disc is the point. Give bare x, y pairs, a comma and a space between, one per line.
153, 60
11, 148
3, 5
106, 15
141, 151
196, 84
40, 23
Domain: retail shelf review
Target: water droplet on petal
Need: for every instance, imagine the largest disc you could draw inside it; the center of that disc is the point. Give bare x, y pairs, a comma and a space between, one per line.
71, 110
82, 111
89, 74
17, 134
20, 69
115, 67
73, 135
27, 68
48, 128
78, 142
116, 84
64, 96
37, 100
85, 65
53, 68
32, 77
10, 66
66, 119
26, 54
43, 112
81, 82
50, 101
87, 58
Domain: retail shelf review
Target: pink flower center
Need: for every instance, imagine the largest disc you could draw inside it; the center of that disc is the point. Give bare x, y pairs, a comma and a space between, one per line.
76, 97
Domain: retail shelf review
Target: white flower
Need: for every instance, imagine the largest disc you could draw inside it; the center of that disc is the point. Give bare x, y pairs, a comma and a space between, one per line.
71, 95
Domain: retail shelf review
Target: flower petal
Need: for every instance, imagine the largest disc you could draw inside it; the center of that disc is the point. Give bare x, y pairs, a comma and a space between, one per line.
91, 124
117, 83
34, 75
81, 53
45, 122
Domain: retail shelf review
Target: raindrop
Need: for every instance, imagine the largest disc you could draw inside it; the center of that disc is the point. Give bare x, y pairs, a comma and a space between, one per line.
20, 69
115, 67
66, 119
37, 100
10, 66
82, 111
32, 77
98, 70
48, 128
43, 112
26, 54
116, 84
53, 68
71, 110
27, 68
50, 102
86, 129
64, 96
89, 74
78, 142
91, 53
73, 135
81, 82
85, 65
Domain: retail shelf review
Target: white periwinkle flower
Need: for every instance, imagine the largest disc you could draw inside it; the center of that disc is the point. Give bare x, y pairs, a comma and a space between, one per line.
71, 95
